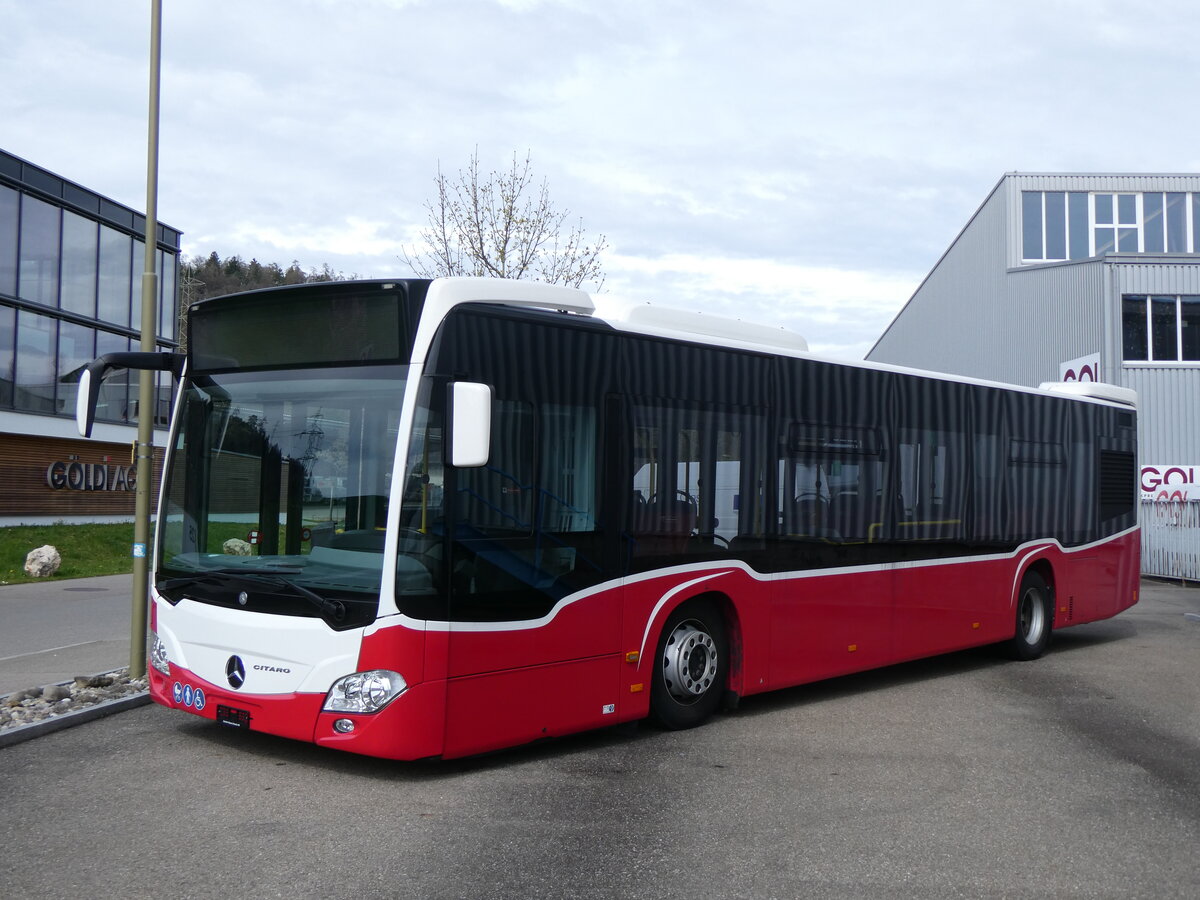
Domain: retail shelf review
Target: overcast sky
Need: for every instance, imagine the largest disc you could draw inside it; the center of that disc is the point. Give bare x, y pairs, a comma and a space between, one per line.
797, 163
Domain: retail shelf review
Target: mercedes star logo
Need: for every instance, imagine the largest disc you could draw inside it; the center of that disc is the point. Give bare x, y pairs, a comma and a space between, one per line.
235, 671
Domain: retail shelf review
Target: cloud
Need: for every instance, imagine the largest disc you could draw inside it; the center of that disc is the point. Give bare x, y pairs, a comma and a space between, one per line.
839, 311
353, 236
803, 163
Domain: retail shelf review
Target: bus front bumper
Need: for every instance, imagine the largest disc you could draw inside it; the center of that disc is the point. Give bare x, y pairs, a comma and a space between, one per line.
410, 727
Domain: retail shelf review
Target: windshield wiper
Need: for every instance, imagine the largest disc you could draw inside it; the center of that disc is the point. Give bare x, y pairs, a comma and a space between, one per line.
335, 609
208, 575
258, 570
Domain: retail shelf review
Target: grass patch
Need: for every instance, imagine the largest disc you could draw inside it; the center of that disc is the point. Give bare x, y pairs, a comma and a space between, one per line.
89, 550
86, 550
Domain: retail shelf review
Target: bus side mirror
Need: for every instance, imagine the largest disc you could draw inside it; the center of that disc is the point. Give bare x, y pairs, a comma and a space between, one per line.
93, 375
85, 401
470, 424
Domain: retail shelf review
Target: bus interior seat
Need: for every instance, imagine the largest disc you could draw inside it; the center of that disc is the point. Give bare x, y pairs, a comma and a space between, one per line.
809, 514
664, 526
366, 511
849, 516
672, 517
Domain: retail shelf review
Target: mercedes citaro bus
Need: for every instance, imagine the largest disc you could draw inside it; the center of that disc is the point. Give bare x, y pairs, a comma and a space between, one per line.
421, 518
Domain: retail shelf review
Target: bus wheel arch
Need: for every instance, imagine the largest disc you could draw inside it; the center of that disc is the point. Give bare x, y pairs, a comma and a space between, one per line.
735, 673
1033, 612
690, 677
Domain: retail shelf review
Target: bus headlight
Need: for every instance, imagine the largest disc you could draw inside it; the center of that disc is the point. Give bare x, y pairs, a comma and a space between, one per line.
365, 692
158, 656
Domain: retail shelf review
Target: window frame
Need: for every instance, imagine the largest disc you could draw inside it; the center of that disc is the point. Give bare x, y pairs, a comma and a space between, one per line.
1148, 359
1187, 203
1119, 223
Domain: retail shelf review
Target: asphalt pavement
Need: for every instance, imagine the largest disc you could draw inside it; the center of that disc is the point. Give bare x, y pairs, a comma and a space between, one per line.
961, 776
51, 631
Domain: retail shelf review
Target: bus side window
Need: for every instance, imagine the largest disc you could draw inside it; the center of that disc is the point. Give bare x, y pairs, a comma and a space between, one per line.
568, 491
665, 468
934, 457
492, 567
497, 499
421, 505
933, 485
697, 479
831, 483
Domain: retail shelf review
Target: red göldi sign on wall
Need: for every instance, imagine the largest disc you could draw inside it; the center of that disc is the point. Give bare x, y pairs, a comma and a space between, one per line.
1085, 368
1170, 483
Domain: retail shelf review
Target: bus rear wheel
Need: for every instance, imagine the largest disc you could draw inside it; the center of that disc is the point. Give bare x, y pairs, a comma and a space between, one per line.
1034, 618
691, 666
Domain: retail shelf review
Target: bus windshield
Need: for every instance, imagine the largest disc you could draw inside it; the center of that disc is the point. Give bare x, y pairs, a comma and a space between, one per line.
278, 490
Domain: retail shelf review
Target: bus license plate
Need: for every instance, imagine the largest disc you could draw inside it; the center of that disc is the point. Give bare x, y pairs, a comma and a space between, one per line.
235, 718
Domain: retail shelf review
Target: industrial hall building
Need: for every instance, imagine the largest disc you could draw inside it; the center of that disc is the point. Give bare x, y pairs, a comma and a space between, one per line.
1082, 277
71, 264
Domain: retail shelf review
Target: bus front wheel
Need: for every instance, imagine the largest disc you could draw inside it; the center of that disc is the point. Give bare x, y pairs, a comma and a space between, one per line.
1034, 617
691, 665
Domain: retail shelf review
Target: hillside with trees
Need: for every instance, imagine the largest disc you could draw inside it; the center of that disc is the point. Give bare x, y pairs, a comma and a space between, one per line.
201, 277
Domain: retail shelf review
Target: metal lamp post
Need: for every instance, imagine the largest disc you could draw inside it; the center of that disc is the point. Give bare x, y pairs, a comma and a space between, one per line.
144, 448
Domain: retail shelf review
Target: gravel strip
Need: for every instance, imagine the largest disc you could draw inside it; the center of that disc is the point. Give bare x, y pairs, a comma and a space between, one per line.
35, 705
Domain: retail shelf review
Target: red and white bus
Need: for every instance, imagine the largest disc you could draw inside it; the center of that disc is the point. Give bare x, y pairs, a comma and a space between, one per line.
434, 518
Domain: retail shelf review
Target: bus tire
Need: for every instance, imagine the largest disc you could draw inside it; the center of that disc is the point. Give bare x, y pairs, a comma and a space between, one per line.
1035, 614
691, 667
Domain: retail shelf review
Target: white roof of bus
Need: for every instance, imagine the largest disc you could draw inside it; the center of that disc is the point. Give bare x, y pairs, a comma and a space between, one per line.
642, 317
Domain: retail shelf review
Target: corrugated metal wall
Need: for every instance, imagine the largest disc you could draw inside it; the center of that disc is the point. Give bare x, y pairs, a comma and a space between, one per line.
979, 313
1052, 314
1171, 540
1168, 425
1168, 275
975, 316
1169, 433
1168, 414
1115, 183
946, 324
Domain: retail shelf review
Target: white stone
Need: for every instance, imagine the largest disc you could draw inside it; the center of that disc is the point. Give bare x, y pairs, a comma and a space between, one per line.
236, 547
42, 562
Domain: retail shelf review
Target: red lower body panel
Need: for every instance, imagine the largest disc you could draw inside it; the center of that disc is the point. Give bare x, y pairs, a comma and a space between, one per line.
591, 662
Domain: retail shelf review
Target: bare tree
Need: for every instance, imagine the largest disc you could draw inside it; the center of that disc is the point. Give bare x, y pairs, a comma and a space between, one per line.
504, 226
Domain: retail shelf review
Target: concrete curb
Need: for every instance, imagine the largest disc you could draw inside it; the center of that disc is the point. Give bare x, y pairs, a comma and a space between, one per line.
22, 733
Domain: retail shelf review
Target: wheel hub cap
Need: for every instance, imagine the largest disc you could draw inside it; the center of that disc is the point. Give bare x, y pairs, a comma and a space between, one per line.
689, 662
1033, 617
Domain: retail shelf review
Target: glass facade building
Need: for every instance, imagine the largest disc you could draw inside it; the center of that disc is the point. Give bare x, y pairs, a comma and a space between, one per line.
71, 289
71, 263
